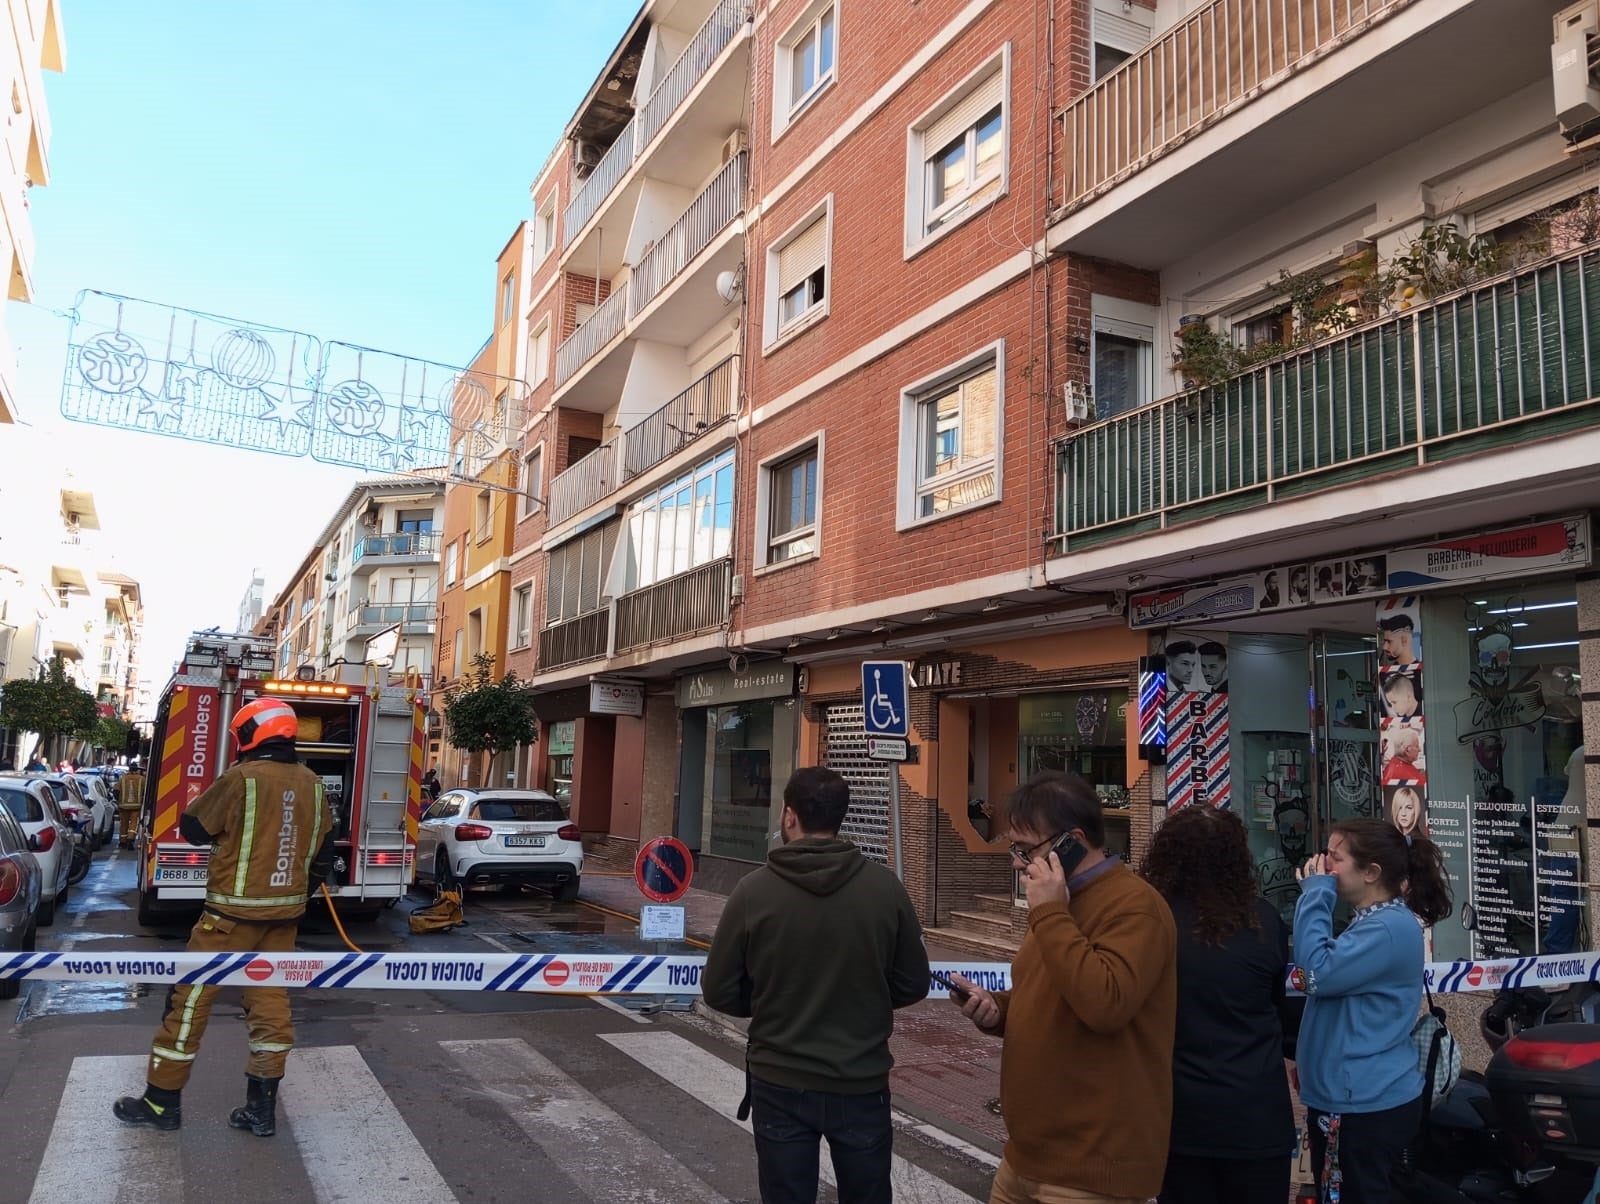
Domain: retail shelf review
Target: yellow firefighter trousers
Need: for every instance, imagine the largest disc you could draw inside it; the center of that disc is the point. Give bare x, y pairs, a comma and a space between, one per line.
266, 1009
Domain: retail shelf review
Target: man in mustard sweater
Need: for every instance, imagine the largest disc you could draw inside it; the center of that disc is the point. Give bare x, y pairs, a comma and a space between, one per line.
1086, 1068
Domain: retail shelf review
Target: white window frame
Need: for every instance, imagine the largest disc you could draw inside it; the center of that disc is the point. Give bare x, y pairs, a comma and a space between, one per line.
532, 490
539, 372
544, 241
784, 112
773, 335
765, 472
508, 297
452, 564
918, 235
522, 615
1128, 319
1118, 26
911, 399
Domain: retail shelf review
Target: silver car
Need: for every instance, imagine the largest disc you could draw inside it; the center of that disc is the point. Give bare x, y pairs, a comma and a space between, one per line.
21, 881
483, 837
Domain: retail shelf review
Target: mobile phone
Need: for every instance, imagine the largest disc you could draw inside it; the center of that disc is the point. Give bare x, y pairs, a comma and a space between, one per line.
945, 981
1070, 850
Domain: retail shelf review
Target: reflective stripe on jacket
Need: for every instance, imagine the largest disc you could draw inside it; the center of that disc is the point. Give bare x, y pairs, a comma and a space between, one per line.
268, 819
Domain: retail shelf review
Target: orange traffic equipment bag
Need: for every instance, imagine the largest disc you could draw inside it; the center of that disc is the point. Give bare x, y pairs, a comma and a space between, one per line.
439, 916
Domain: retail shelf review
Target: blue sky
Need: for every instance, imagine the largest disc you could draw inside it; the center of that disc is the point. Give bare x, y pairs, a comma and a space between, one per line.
349, 168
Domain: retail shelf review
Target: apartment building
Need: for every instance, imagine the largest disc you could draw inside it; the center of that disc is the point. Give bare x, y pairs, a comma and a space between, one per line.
295, 618
32, 44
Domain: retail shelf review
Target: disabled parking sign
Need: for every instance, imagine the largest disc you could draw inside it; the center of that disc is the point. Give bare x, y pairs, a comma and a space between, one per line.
885, 698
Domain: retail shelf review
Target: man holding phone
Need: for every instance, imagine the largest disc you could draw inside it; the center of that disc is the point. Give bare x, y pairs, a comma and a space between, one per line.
1088, 1023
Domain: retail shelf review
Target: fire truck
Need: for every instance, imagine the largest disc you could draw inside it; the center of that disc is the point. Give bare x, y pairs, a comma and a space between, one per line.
363, 737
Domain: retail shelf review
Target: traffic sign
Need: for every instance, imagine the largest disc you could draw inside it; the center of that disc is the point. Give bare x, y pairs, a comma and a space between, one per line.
885, 698
885, 748
663, 869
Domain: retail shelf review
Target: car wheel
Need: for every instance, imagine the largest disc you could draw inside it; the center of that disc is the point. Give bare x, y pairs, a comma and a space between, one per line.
47, 913
444, 877
567, 892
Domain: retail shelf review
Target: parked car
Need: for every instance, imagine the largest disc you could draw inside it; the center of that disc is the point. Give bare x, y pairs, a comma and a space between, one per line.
481, 837
21, 882
70, 798
30, 802
96, 789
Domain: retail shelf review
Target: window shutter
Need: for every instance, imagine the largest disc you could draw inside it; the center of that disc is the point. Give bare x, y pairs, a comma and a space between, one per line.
964, 114
1120, 31
553, 587
804, 254
1551, 192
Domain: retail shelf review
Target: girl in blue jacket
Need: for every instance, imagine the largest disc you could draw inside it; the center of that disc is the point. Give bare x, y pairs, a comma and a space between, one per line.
1357, 1065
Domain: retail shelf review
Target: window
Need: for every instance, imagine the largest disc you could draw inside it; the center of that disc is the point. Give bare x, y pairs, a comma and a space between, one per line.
483, 515
458, 460
797, 271
415, 521
950, 459
1123, 355
805, 61
532, 482
1274, 326
450, 565
539, 355
474, 635
959, 162
579, 569
522, 616
1118, 31
544, 230
508, 297
684, 524
791, 484
460, 648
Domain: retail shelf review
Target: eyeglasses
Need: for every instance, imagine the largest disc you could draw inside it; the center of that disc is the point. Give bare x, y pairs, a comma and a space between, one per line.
1024, 853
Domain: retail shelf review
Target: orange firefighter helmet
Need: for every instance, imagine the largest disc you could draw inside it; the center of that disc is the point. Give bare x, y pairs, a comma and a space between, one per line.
263, 719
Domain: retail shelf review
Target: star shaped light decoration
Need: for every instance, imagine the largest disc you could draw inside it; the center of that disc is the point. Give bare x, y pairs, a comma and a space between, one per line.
287, 411
161, 409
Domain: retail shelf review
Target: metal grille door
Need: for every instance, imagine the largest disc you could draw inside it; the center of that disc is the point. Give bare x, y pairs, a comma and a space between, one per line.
867, 823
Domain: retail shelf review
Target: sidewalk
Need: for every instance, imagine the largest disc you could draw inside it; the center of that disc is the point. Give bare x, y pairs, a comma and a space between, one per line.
945, 1070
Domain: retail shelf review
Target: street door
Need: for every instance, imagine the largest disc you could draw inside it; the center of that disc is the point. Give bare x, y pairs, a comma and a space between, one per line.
1344, 716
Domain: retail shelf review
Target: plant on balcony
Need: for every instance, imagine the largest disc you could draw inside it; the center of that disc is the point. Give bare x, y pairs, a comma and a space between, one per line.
1441, 260
490, 716
51, 704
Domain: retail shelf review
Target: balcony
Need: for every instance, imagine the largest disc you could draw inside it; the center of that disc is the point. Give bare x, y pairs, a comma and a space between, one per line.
1311, 87
583, 344
1507, 361
689, 604
367, 619
702, 407
398, 548
585, 638
586, 482
602, 182
708, 215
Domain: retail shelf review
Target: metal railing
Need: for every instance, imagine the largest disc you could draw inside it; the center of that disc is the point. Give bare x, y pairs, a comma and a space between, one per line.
366, 615
586, 482
401, 543
607, 174
1507, 360
584, 343
584, 638
706, 217
688, 604
708, 403
1217, 58
711, 40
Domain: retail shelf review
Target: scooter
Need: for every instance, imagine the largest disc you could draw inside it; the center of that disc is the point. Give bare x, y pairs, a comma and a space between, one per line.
1527, 1130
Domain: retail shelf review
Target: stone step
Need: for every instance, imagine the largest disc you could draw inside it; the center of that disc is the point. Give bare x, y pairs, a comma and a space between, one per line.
982, 921
980, 945
999, 904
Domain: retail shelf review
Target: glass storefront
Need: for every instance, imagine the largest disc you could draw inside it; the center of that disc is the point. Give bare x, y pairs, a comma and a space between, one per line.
561, 743
1083, 732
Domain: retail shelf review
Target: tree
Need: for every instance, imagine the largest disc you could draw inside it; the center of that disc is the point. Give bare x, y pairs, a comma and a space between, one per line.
111, 734
51, 705
488, 715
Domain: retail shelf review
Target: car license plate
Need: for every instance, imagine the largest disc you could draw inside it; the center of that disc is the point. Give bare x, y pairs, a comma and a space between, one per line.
524, 842
175, 875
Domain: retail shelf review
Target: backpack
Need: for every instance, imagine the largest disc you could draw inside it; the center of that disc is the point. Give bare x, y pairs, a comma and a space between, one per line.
1438, 1053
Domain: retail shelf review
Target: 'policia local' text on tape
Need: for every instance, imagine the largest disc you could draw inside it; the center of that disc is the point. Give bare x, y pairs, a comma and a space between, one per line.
600, 974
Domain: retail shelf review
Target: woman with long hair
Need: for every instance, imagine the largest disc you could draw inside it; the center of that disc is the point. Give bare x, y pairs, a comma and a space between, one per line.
1232, 1125
1357, 1065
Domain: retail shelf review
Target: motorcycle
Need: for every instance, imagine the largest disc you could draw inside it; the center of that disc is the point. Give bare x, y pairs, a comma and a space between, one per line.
1527, 1130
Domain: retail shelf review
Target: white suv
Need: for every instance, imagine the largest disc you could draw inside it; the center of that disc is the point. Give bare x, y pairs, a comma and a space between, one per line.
97, 793
479, 837
49, 838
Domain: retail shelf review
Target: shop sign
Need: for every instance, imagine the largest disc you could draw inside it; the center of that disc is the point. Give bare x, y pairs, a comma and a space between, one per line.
937, 674
1562, 543
616, 698
1187, 603
717, 687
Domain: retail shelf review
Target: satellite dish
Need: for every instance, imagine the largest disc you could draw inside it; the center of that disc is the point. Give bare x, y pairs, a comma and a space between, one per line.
728, 286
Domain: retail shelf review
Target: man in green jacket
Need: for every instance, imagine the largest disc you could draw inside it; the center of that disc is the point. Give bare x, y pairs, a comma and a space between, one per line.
818, 947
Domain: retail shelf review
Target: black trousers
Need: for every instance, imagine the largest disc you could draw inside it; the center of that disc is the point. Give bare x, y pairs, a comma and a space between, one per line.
1370, 1145
790, 1123
1191, 1179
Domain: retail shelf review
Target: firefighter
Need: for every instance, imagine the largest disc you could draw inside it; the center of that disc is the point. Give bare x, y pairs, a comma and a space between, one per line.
130, 796
271, 839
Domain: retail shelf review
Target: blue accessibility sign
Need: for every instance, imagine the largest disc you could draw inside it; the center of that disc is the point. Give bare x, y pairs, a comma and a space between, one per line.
885, 698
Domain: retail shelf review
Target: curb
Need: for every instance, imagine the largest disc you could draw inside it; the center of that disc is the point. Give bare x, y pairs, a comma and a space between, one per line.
727, 1024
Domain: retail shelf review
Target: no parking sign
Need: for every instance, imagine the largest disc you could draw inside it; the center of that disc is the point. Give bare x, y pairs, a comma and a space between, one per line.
663, 869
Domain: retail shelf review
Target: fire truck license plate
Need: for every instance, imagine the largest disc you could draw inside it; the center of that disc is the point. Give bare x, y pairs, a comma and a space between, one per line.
524, 842
181, 875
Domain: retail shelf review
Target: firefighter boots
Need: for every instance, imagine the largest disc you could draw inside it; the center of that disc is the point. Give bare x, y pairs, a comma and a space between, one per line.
260, 1111
157, 1107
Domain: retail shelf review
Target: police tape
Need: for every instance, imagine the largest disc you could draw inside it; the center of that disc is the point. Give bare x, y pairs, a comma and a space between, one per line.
607, 973
526, 973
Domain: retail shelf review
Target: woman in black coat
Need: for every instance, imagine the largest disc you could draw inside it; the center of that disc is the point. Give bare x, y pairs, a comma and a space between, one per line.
1233, 1133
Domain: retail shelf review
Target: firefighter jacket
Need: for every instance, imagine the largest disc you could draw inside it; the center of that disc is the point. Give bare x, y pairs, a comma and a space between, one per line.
130, 791
270, 834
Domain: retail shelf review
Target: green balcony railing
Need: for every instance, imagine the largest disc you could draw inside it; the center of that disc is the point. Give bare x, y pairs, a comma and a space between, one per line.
1510, 359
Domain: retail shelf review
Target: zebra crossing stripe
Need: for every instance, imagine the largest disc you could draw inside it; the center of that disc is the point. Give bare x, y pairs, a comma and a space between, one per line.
89, 1158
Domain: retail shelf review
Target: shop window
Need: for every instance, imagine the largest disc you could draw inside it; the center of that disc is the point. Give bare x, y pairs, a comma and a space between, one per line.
1083, 732
561, 741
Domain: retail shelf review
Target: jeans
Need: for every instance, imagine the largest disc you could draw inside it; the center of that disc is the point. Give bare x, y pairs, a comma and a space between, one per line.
1370, 1145
1191, 1179
788, 1125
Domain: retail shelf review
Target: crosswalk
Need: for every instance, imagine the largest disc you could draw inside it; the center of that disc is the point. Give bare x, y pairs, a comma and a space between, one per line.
646, 1115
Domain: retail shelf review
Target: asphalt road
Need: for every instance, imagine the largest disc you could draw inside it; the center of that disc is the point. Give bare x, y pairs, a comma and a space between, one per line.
394, 1096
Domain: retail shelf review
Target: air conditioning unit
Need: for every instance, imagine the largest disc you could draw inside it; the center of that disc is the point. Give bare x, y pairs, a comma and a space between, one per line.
735, 145
586, 157
1575, 65
1080, 405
